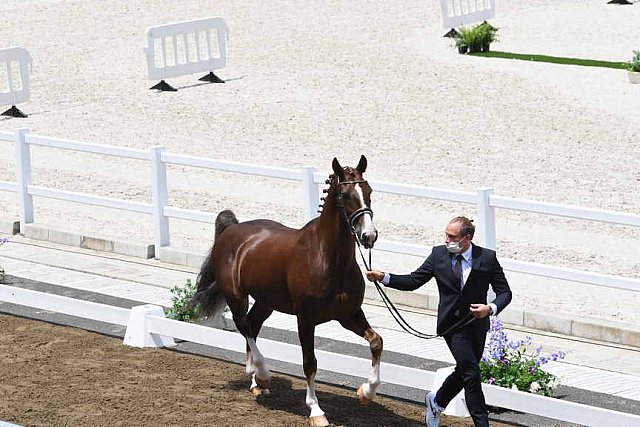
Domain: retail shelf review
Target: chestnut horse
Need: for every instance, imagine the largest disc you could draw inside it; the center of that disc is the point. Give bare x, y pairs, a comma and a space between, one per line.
311, 273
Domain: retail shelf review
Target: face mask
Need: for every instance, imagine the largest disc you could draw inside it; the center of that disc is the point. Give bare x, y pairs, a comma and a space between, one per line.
454, 247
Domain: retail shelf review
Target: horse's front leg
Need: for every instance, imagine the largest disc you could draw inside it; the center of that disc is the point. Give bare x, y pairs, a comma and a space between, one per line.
306, 331
359, 325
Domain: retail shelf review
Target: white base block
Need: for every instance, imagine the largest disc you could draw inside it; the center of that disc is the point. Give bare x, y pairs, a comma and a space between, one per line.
457, 407
137, 334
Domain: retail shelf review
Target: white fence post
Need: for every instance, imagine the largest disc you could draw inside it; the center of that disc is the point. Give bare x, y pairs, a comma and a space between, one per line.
159, 199
310, 193
137, 333
486, 219
23, 172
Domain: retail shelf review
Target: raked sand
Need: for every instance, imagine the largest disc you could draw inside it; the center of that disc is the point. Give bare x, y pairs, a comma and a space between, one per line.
307, 81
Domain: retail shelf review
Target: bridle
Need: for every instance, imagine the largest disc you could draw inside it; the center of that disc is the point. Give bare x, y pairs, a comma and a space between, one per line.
355, 215
395, 313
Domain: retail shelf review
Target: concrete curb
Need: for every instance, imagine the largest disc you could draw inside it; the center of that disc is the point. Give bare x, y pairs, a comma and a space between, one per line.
104, 244
10, 227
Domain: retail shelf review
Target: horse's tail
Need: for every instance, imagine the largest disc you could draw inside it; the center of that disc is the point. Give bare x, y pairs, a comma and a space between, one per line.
208, 296
224, 219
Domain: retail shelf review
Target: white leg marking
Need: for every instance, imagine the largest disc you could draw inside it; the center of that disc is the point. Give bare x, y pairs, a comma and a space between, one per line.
260, 370
248, 363
369, 388
312, 400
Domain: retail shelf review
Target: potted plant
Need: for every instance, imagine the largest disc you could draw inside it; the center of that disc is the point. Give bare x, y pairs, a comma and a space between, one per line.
486, 34
634, 67
468, 38
462, 46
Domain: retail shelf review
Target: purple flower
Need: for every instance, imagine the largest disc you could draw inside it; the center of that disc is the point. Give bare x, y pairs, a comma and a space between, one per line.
491, 380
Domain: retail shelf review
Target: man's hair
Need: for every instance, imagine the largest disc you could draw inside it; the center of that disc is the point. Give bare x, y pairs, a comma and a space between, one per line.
466, 225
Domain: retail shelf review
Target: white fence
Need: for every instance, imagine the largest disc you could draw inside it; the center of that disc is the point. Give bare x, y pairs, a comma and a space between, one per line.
456, 13
186, 47
15, 69
161, 330
485, 201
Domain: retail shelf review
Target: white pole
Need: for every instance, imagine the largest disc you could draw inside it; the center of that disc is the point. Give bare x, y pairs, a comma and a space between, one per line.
310, 194
23, 172
159, 196
486, 219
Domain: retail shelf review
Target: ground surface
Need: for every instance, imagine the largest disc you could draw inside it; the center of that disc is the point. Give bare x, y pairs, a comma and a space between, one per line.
61, 376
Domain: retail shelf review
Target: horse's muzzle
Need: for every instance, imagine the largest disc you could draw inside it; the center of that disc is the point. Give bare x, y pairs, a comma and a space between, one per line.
368, 239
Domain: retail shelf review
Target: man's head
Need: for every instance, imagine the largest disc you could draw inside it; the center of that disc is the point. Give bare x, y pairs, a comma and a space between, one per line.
458, 234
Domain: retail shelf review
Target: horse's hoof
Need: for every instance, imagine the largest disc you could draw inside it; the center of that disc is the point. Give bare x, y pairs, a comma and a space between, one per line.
263, 384
363, 399
258, 391
318, 421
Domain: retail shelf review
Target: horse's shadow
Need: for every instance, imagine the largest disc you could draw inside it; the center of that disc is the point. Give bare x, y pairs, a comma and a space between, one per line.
340, 410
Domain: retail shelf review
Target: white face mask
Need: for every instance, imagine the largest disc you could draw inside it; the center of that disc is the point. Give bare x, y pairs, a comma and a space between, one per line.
454, 247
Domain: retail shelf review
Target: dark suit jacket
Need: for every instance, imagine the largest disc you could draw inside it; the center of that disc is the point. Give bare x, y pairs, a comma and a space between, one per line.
485, 270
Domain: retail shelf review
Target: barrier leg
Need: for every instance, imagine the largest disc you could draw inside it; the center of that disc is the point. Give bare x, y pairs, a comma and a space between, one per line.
138, 335
14, 112
164, 86
211, 78
452, 33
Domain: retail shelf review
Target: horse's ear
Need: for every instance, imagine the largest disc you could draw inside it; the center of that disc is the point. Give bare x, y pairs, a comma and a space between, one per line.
337, 168
362, 164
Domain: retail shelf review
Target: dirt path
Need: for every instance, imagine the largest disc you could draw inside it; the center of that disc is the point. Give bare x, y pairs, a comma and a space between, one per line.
61, 376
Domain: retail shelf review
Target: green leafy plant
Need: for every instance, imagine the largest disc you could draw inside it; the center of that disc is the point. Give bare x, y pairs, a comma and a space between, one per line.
511, 364
468, 38
182, 307
485, 35
3, 240
634, 64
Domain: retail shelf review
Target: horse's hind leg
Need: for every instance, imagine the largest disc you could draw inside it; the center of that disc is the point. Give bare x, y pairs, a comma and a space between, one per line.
254, 359
359, 325
255, 362
306, 331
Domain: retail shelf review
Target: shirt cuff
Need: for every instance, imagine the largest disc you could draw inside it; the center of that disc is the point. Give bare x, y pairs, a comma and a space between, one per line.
386, 279
494, 308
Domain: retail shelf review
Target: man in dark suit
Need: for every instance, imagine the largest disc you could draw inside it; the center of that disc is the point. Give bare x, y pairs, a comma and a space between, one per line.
463, 272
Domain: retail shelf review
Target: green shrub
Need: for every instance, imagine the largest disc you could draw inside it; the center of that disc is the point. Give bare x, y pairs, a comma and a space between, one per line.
182, 308
485, 35
634, 64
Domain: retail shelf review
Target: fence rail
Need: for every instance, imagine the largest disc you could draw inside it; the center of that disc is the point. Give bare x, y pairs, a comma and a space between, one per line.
158, 327
485, 201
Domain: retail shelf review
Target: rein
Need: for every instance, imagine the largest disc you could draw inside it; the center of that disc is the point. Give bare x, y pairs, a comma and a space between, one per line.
395, 313
397, 316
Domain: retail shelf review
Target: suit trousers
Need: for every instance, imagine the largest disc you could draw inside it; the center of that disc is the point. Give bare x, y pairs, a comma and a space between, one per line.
466, 346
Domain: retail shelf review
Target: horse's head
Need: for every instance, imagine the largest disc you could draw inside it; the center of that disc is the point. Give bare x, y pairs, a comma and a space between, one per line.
354, 195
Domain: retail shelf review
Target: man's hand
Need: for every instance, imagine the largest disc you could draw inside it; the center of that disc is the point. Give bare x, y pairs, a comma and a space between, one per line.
375, 276
480, 311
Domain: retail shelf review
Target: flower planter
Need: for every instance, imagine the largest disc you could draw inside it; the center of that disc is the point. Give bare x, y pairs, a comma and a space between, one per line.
634, 76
